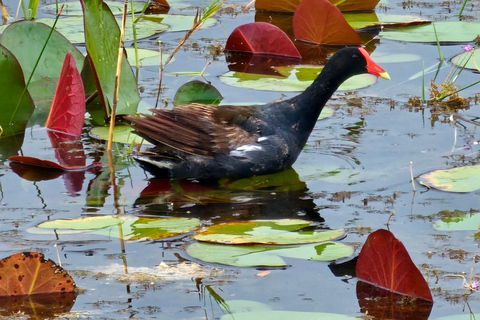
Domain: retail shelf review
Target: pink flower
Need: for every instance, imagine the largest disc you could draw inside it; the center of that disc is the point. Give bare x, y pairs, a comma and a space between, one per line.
468, 47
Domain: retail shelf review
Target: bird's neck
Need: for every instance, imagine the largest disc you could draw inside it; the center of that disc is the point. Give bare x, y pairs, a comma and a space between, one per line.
309, 104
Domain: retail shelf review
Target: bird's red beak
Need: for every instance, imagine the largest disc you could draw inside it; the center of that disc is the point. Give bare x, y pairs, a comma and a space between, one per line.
372, 67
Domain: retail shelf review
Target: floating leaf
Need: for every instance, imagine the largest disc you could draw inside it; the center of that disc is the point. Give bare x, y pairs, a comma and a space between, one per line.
75, 8
121, 134
50, 165
261, 38
267, 255
29, 273
447, 31
291, 83
103, 58
17, 106
128, 227
372, 20
285, 315
197, 92
468, 60
67, 114
146, 57
286, 231
465, 222
320, 22
385, 262
460, 179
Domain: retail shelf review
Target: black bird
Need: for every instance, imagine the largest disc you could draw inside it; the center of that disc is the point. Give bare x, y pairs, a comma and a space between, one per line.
210, 142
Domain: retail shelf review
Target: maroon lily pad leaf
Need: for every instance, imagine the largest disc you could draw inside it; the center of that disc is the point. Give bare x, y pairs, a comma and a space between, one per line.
320, 22
385, 262
261, 38
68, 107
50, 165
29, 273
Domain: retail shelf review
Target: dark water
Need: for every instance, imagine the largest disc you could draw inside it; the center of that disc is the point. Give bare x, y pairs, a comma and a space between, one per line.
355, 171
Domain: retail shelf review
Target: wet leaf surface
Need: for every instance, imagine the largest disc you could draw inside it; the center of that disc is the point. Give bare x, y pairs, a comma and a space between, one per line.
67, 114
102, 48
320, 22
29, 273
266, 232
267, 255
461, 179
127, 227
17, 105
385, 262
261, 38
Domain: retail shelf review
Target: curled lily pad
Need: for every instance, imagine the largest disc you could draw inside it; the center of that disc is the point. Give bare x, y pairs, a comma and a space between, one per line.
284, 231
267, 255
128, 227
290, 83
461, 179
197, 92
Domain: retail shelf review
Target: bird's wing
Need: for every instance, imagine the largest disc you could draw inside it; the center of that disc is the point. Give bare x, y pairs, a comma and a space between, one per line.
197, 129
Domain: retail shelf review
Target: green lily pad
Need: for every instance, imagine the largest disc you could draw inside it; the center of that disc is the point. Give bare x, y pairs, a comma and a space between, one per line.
447, 31
44, 80
75, 8
469, 221
461, 179
175, 22
197, 92
72, 27
292, 82
327, 112
267, 255
284, 231
286, 315
468, 60
15, 109
102, 44
360, 20
121, 134
146, 57
130, 227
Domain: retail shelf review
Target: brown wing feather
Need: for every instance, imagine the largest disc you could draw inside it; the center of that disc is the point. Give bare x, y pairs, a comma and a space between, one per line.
196, 129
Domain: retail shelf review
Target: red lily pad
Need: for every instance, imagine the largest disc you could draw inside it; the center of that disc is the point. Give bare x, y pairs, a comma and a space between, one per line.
68, 107
50, 165
261, 38
385, 262
320, 22
30, 273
